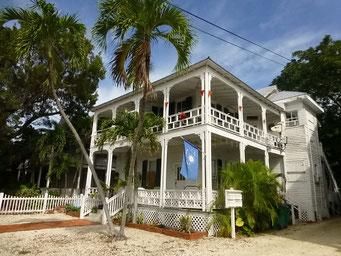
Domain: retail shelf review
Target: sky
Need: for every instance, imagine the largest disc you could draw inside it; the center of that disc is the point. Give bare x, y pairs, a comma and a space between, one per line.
283, 26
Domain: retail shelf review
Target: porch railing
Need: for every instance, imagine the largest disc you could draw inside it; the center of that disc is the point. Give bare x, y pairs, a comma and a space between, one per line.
183, 199
290, 122
274, 141
184, 119
224, 120
149, 197
253, 133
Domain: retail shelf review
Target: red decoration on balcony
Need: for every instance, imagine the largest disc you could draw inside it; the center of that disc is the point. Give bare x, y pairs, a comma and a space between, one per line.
166, 104
202, 92
182, 116
264, 121
209, 93
240, 108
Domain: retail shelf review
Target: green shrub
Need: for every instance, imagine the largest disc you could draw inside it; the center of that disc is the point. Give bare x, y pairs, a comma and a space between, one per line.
26, 191
261, 197
94, 209
139, 219
186, 224
72, 208
54, 193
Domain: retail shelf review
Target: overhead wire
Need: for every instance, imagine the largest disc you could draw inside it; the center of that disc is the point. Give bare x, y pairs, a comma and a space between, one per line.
230, 32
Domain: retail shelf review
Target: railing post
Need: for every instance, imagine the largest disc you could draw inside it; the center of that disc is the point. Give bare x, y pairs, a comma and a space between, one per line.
1, 197
81, 215
45, 201
104, 218
293, 215
241, 114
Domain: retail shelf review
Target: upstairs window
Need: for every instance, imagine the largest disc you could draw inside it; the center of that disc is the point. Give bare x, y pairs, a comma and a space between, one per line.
292, 118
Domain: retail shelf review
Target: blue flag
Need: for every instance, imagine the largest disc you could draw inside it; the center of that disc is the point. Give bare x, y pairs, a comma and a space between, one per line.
189, 167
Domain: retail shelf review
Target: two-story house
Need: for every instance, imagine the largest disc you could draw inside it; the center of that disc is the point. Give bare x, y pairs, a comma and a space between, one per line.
228, 121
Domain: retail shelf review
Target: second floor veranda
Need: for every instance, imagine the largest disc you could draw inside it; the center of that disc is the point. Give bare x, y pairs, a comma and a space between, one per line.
204, 99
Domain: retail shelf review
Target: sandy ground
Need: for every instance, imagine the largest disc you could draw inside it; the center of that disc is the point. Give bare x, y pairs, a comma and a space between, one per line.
320, 239
32, 218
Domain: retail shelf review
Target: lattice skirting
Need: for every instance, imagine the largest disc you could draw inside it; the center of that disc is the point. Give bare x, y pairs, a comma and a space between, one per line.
201, 221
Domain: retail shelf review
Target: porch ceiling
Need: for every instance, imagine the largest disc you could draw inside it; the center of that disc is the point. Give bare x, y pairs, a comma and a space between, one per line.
184, 88
224, 94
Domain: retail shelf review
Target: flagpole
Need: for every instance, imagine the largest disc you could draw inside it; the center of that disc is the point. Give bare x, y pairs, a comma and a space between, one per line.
194, 146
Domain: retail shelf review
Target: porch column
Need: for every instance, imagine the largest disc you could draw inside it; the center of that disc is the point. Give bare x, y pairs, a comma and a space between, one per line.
203, 174
241, 113
283, 119
166, 108
89, 174
264, 123
207, 97
94, 130
164, 154
242, 152
79, 177
266, 158
208, 163
202, 93
114, 112
137, 105
109, 167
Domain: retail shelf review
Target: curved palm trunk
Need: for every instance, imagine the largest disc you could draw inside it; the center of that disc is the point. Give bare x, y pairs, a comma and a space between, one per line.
112, 231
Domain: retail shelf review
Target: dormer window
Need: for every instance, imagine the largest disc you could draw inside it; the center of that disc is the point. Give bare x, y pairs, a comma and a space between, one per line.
292, 118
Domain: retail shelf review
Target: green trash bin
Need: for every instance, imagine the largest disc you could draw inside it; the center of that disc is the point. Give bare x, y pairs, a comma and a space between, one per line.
283, 217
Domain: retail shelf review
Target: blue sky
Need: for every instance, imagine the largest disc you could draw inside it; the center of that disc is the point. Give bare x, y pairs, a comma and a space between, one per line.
283, 26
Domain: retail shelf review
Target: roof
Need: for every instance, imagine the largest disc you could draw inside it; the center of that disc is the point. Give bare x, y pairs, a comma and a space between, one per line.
285, 95
206, 62
266, 91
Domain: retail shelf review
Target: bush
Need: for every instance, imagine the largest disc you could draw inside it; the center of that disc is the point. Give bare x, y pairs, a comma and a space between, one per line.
54, 193
72, 208
26, 191
261, 197
186, 224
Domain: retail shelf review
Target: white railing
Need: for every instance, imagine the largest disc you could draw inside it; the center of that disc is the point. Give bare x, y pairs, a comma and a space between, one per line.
184, 119
293, 121
40, 204
253, 133
115, 203
88, 204
274, 141
148, 197
91, 191
183, 199
224, 120
157, 129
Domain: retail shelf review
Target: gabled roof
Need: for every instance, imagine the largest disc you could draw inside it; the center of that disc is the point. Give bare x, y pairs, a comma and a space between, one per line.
272, 93
266, 91
206, 62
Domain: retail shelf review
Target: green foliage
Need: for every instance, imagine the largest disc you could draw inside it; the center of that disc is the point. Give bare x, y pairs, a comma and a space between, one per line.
186, 224
135, 25
62, 165
94, 209
316, 71
139, 219
72, 208
152, 224
118, 216
125, 124
26, 191
261, 198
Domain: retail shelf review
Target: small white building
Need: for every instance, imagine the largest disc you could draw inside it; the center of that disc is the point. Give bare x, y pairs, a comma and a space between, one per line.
229, 121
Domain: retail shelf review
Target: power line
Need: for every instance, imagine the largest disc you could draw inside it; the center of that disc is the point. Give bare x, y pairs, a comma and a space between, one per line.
219, 38
230, 32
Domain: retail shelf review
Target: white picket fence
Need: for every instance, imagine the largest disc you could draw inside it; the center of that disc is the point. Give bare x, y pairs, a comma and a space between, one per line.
40, 204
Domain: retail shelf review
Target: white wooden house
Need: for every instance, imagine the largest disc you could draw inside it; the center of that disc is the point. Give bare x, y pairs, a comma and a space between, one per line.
229, 121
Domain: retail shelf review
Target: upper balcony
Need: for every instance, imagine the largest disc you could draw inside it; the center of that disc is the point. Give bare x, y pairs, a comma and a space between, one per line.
203, 99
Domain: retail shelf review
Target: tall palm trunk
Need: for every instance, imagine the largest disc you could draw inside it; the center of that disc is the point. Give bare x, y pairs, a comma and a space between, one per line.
112, 231
142, 110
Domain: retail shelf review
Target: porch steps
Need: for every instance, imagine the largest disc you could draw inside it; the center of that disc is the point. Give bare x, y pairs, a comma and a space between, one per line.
95, 217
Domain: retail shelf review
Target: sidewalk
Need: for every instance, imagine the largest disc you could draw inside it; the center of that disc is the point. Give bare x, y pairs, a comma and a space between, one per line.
45, 225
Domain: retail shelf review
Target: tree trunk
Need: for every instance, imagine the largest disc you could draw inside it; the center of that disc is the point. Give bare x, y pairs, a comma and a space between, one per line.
132, 163
78, 170
112, 231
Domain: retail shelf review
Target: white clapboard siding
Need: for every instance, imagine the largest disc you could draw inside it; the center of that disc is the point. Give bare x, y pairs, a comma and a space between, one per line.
299, 180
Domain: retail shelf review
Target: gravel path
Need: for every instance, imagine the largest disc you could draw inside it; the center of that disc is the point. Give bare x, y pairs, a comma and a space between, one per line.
320, 239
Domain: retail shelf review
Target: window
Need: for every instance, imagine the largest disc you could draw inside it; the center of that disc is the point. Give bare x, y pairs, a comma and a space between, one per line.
292, 118
178, 174
184, 105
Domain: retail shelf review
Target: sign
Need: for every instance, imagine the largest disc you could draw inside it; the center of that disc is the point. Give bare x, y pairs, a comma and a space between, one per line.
233, 198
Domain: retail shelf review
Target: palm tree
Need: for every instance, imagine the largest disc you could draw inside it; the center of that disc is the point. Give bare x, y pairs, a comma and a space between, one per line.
136, 24
124, 125
44, 30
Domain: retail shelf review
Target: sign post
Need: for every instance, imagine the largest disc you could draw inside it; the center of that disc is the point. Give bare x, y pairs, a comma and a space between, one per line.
233, 199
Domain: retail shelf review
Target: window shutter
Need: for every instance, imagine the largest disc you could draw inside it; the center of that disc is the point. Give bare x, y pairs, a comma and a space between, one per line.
144, 173
172, 108
158, 173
